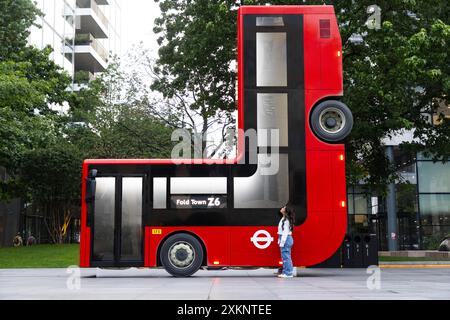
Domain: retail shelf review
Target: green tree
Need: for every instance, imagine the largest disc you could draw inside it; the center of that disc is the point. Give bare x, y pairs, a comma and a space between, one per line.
27, 89
108, 121
40, 164
29, 84
16, 18
393, 78
53, 177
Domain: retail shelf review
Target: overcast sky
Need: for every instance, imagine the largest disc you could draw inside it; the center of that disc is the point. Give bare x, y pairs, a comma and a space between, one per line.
137, 23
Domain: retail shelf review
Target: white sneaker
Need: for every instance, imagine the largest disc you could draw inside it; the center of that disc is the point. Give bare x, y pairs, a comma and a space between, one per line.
285, 276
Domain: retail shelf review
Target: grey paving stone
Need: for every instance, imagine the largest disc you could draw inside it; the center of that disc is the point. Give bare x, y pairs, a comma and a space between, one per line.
260, 284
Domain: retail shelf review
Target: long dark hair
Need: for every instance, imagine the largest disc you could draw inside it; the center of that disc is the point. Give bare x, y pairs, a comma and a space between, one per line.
290, 215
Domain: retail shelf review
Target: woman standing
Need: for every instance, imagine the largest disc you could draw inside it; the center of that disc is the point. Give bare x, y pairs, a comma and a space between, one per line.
285, 240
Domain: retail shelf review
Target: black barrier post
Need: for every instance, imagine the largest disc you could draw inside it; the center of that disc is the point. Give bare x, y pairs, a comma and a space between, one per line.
357, 251
370, 250
347, 252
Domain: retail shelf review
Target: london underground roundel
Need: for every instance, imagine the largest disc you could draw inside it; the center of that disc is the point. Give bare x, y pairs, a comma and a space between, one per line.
262, 239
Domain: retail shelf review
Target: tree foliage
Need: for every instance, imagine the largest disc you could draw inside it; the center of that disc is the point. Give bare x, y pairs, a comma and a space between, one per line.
16, 18
195, 66
29, 84
52, 176
107, 121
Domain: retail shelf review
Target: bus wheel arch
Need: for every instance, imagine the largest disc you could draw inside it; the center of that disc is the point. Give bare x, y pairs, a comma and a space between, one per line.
182, 236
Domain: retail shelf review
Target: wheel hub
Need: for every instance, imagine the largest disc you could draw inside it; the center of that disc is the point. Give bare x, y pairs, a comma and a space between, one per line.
181, 255
332, 120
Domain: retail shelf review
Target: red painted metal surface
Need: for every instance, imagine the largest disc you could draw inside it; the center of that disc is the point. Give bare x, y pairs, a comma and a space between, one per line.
324, 229
85, 237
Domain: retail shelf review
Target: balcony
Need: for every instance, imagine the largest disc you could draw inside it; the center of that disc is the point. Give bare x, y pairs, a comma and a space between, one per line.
90, 55
82, 79
90, 19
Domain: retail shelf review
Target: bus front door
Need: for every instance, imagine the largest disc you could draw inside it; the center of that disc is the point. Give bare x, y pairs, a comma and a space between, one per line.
117, 230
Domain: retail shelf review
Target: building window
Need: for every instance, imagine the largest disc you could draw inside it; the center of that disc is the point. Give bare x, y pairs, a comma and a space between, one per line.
434, 201
434, 177
435, 209
432, 236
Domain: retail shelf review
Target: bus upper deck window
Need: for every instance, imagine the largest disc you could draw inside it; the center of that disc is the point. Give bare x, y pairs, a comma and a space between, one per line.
269, 22
272, 115
271, 59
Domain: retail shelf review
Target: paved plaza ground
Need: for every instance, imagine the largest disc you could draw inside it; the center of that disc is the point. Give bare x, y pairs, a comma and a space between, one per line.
260, 284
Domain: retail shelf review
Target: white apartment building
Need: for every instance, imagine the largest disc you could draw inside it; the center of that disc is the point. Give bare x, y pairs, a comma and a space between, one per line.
82, 33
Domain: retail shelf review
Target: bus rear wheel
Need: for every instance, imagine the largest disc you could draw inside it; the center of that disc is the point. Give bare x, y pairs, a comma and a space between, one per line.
331, 121
181, 255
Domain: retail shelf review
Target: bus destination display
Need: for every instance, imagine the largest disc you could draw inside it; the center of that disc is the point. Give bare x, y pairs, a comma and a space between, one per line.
198, 201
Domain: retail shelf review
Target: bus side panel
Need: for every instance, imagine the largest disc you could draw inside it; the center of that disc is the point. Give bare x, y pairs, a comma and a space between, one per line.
215, 239
325, 225
323, 71
245, 242
318, 180
340, 197
312, 55
312, 239
85, 237
323, 55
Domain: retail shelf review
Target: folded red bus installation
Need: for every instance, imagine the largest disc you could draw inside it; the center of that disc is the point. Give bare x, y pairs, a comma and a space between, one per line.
150, 213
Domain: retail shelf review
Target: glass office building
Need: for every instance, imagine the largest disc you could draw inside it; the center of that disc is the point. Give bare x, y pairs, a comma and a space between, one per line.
433, 201
422, 202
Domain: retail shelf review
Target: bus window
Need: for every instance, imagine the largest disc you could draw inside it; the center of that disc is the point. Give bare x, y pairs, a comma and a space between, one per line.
198, 186
159, 193
263, 190
104, 219
271, 59
269, 22
131, 219
198, 193
272, 114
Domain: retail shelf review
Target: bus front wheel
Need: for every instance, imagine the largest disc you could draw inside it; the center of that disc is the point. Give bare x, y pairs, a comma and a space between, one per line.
331, 121
181, 255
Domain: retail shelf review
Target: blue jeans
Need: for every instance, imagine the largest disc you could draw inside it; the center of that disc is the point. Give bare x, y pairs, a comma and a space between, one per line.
288, 268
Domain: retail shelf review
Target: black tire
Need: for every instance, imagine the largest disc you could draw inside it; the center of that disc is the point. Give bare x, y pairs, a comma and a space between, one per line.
331, 121
181, 255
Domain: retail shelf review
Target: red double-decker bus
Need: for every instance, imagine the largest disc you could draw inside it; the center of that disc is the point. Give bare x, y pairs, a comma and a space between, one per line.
222, 213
